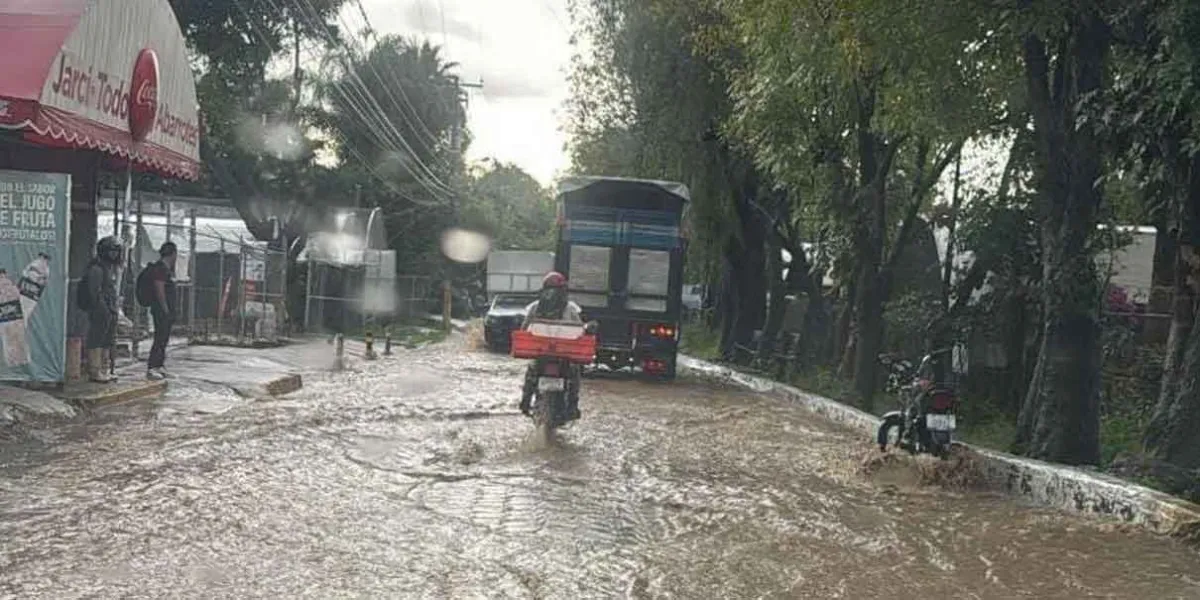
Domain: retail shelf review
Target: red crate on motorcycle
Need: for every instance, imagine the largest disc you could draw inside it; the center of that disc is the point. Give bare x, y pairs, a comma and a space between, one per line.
568, 341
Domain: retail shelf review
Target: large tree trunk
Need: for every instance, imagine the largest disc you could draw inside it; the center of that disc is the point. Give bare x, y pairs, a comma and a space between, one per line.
746, 260
869, 338
1016, 322
727, 304
1162, 278
752, 284
1172, 434
1060, 419
815, 332
874, 160
846, 334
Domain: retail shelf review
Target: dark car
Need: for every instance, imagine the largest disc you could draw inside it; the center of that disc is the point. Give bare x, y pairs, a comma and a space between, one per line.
503, 316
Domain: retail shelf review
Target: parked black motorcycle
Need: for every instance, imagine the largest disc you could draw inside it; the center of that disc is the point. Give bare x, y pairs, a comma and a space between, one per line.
926, 420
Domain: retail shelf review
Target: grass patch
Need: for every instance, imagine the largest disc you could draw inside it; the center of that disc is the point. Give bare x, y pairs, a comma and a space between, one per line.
824, 381
994, 433
700, 341
1119, 436
405, 334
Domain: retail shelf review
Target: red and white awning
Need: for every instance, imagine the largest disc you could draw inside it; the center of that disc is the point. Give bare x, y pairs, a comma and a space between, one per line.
85, 73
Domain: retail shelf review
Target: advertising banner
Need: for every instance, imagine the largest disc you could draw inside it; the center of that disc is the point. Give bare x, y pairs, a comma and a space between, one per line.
35, 212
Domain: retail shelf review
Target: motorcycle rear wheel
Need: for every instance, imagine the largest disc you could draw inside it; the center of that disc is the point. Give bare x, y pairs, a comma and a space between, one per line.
548, 413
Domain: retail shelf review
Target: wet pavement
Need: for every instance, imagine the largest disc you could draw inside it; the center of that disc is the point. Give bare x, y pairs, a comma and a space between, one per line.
414, 477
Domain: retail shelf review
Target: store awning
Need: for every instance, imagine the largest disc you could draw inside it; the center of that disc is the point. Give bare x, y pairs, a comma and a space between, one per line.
111, 76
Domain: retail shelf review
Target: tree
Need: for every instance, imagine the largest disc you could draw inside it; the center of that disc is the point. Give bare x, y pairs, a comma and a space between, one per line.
512, 207
873, 102
1065, 54
647, 104
1153, 123
398, 127
255, 146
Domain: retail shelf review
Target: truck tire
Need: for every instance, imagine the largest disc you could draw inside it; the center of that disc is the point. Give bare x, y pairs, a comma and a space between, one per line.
672, 365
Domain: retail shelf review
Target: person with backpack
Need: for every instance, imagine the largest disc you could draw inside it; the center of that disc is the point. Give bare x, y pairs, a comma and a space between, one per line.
156, 291
97, 296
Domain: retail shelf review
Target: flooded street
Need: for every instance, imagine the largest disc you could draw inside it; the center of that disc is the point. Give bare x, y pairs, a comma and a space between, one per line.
415, 477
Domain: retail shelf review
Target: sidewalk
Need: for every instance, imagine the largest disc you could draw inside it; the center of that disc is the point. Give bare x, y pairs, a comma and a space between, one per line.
248, 371
251, 372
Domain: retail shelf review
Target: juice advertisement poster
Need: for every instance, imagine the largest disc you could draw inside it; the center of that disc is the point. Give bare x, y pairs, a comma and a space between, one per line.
35, 212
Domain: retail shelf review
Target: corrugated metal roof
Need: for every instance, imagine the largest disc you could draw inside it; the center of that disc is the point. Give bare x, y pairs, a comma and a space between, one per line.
209, 233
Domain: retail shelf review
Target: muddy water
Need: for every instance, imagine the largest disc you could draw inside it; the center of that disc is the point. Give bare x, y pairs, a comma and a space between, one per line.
415, 478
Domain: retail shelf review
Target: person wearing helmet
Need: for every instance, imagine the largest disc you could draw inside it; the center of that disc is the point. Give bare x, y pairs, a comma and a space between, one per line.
102, 305
552, 305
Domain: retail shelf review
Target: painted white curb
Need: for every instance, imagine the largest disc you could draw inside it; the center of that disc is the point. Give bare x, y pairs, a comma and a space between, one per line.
1058, 486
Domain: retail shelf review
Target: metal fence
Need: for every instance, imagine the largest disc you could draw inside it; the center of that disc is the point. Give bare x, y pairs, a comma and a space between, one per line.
230, 289
351, 298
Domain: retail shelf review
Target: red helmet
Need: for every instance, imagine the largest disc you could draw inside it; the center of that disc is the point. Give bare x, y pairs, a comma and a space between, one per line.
554, 279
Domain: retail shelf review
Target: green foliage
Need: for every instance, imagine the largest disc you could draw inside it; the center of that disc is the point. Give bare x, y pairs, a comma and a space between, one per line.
806, 67
256, 145
826, 382
644, 104
510, 206
700, 341
395, 117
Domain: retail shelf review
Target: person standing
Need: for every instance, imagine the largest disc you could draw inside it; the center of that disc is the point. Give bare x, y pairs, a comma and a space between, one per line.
98, 296
160, 277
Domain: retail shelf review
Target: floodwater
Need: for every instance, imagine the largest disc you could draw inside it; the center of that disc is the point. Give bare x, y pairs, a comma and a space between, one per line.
415, 477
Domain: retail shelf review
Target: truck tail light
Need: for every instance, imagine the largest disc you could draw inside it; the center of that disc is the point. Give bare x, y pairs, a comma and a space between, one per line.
664, 332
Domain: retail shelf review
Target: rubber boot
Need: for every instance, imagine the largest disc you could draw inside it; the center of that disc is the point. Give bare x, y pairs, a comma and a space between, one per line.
527, 389
97, 368
109, 365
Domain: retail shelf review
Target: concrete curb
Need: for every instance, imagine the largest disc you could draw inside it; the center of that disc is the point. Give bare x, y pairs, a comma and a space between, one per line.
274, 387
117, 393
1057, 486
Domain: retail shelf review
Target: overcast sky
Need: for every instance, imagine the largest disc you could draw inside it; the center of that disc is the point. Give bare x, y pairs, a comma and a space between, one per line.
519, 48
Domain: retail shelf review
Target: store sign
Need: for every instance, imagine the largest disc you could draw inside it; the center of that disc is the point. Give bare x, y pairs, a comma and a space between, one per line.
35, 211
143, 102
126, 66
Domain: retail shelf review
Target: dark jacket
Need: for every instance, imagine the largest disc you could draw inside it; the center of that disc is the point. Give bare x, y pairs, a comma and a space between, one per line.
102, 286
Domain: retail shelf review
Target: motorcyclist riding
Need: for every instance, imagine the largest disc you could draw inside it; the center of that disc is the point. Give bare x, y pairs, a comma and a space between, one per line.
552, 305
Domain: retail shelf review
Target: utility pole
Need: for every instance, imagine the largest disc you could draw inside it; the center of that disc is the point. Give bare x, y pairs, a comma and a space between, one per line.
465, 100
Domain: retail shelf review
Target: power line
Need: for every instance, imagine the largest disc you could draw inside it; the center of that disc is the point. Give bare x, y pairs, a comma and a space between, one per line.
400, 88
359, 99
424, 175
419, 125
337, 133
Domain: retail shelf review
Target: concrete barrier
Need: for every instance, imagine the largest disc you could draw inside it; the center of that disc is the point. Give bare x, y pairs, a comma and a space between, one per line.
1070, 489
284, 384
